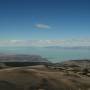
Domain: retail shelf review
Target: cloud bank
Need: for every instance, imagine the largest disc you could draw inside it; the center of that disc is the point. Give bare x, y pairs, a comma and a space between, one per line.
42, 43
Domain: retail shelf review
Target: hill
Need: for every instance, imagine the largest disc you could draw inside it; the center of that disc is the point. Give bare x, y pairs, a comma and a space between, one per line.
18, 60
42, 78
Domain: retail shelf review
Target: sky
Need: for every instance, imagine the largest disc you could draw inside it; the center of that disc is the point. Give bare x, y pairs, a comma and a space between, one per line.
44, 22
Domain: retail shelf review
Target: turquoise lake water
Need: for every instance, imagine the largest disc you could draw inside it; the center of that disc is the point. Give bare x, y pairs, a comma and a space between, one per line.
54, 55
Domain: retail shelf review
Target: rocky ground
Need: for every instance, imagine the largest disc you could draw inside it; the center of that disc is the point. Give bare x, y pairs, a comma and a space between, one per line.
69, 75
41, 77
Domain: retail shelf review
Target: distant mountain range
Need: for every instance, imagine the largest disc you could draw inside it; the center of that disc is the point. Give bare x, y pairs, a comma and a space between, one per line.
70, 47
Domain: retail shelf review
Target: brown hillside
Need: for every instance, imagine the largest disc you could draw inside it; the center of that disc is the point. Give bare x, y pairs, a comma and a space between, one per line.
41, 78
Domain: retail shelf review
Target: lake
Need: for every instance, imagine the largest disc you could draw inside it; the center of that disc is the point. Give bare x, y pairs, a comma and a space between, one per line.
52, 54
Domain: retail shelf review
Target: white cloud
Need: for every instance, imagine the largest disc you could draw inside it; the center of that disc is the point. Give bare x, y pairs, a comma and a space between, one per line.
69, 42
42, 26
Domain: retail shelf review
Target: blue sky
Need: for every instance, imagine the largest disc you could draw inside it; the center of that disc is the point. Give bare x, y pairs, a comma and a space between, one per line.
62, 20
